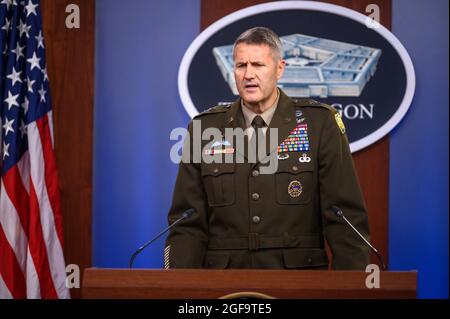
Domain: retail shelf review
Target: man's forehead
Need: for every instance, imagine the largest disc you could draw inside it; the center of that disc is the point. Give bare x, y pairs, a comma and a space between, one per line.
249, 51
252, 47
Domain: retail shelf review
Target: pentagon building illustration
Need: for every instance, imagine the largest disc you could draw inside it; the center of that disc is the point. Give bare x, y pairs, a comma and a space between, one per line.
315, 67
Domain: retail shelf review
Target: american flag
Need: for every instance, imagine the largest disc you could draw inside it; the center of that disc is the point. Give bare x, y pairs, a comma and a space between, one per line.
31, 255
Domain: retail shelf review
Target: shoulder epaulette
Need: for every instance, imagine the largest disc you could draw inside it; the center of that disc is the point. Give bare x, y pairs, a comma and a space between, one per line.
313, 103
215, 109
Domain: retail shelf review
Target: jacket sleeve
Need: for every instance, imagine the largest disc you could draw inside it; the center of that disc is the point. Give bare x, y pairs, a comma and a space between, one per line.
339, 186
187, 241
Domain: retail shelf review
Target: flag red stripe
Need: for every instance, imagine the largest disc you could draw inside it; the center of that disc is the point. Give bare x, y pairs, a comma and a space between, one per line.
39, 252
51, 173
27, 208
10, 269
18, 195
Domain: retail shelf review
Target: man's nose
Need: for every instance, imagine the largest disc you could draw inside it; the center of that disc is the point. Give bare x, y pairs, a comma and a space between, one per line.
249, 72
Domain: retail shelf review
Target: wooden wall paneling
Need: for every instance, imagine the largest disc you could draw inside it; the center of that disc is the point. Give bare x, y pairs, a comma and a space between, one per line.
70, 60
372, 163
213, 10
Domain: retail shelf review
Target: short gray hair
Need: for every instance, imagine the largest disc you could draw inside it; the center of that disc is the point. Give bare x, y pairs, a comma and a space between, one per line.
261, 35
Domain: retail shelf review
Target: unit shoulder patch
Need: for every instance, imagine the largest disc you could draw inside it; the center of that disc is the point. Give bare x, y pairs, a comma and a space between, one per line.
339, 122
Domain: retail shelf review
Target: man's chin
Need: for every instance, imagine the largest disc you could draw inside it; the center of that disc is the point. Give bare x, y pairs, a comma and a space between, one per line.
250, 99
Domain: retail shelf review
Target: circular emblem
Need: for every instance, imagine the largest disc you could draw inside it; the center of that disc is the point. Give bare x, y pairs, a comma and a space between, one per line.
295, 188
348, 70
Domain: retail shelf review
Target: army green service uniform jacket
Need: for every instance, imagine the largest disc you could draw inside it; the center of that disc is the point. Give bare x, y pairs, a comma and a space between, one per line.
244, 219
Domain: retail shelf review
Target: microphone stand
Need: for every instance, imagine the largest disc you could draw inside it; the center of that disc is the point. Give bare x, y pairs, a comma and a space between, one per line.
185, 215
340, 214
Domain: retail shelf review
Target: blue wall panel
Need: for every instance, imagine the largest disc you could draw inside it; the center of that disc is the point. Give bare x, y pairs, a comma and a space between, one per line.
139, 45
418, 209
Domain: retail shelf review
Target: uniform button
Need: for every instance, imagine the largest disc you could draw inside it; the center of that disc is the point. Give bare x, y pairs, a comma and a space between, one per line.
255, 196
294, 168
255, 173
216, 170
256, 219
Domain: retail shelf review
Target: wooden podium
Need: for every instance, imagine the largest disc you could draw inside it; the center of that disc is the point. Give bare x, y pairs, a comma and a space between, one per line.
206, 284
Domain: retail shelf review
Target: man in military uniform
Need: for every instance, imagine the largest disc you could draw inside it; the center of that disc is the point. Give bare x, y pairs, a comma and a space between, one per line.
246, 219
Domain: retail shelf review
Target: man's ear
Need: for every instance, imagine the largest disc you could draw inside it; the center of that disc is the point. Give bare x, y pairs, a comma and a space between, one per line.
280, 68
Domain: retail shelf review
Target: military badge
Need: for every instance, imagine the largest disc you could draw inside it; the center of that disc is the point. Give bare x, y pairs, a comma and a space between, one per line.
296, 141
215, 151
339, 122
221, 143
283, 156
304, 158
298, 116
295, 188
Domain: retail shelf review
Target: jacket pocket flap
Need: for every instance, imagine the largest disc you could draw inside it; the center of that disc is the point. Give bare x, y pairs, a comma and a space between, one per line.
294, 167
216, 169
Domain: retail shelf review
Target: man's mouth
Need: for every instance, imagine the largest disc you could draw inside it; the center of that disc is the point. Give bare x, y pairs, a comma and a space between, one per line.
251, 86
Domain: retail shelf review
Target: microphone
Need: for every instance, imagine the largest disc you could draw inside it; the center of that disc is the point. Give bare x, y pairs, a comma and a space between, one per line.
185, 215
340, 214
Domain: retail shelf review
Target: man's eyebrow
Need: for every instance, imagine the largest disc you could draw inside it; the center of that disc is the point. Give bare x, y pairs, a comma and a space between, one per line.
251, 62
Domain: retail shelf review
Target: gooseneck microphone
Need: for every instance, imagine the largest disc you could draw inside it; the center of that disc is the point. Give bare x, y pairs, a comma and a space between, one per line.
185, 215
340, 214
